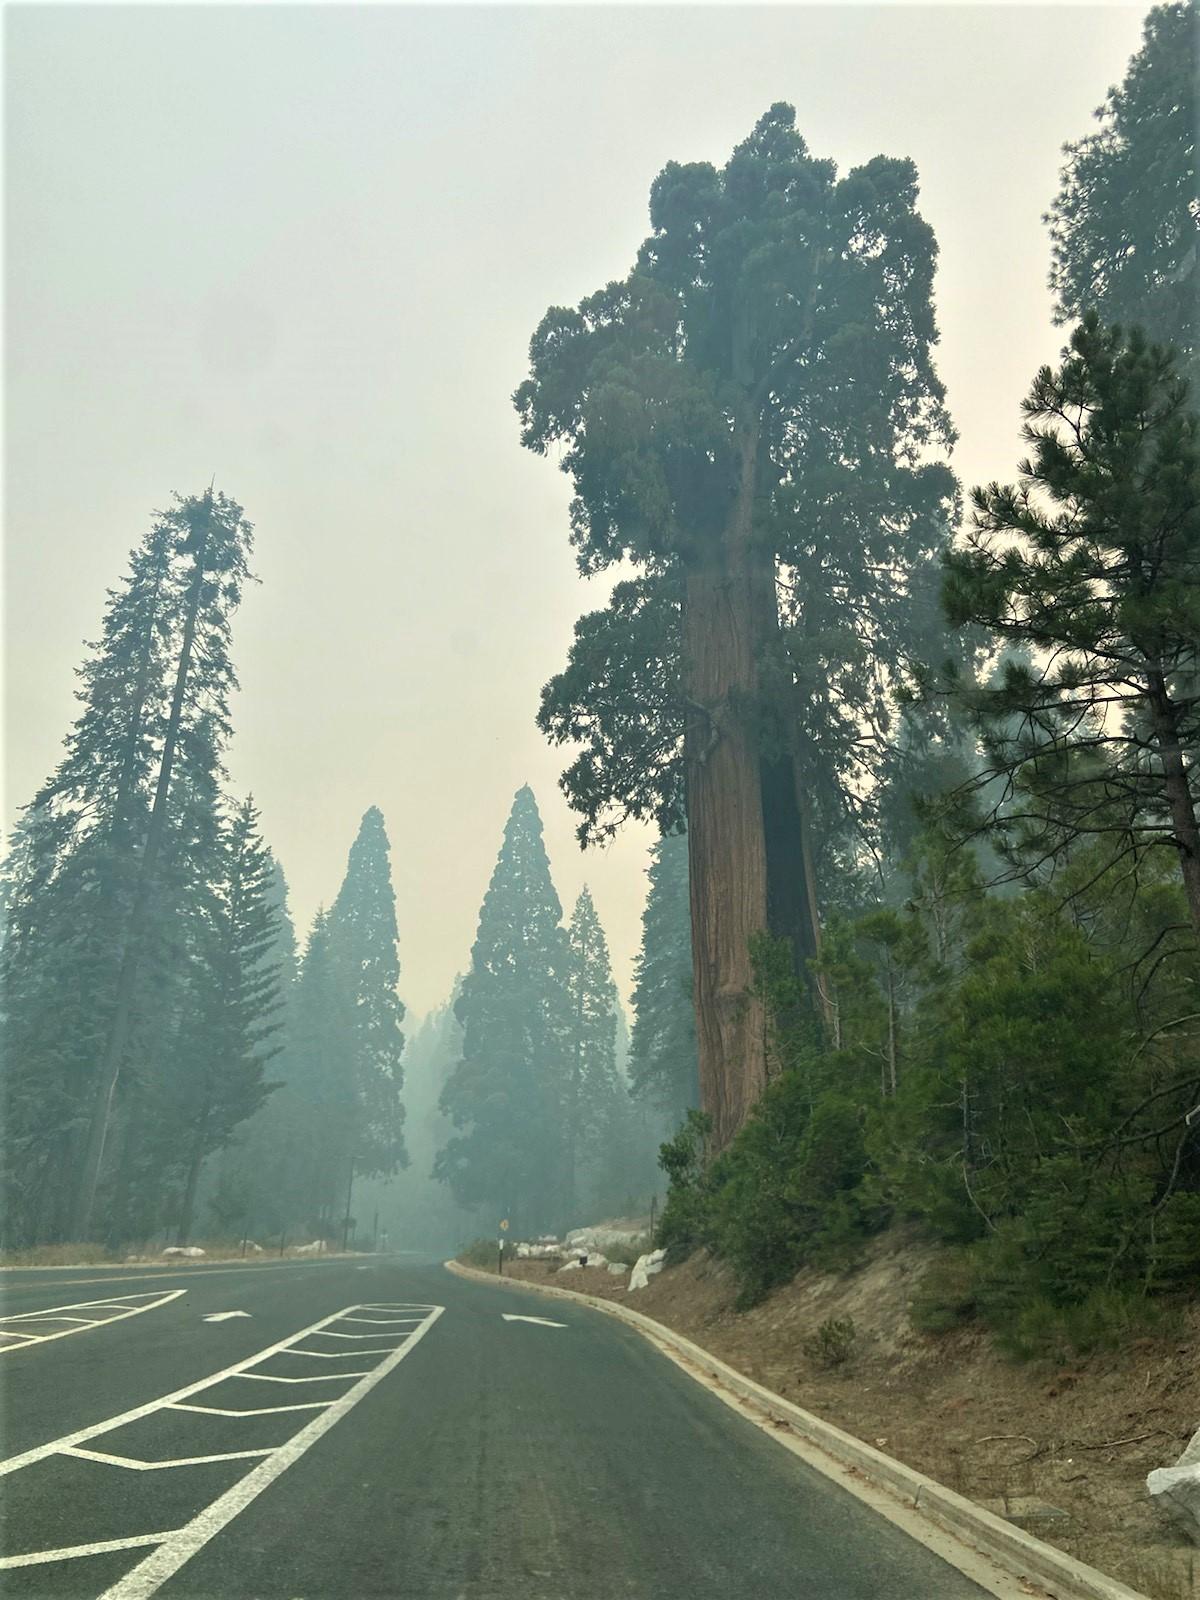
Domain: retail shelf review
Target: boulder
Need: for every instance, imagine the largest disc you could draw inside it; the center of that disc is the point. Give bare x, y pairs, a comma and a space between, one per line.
645, 1267
183, 1250
616, 1268
569, 1266
1177, 1490
316, 1248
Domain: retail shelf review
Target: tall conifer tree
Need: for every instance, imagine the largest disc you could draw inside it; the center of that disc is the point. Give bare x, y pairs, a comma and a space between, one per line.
663, 1069
504, 1094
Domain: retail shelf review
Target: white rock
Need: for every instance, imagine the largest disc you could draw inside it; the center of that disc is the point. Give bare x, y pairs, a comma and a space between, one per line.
183, 1250
316, 1248
1177, 1490
616, 1268
569, 1266
645, 1267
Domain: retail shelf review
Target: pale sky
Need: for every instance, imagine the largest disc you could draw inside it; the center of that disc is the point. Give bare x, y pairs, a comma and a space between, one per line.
303, 249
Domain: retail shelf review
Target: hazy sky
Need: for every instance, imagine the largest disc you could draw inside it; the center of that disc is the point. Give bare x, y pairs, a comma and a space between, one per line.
303, 249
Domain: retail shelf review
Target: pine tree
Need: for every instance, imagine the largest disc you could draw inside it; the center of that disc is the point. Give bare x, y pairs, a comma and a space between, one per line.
504, 1095
231, 1020
1125, 227
663, 1069
1092, 562
592, 1090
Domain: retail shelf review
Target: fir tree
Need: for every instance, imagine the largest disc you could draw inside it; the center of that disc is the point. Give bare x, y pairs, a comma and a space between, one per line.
113, 858
363, 939
504, 1095
663, 1045
232, 1014
592, 1091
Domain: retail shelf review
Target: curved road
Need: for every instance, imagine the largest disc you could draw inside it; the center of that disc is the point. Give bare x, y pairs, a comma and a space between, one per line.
379, 1429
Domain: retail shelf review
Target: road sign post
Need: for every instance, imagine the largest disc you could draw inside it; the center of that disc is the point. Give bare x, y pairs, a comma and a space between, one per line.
500, 1257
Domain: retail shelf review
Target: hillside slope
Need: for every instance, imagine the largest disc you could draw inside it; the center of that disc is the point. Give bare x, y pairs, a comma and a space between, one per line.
1079, 1439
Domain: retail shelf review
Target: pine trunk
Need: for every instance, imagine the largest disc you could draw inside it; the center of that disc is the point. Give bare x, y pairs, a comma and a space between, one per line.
726, 838
1177, 791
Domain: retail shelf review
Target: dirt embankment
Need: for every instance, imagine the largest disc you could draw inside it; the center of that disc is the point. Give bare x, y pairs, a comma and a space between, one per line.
1080, 1439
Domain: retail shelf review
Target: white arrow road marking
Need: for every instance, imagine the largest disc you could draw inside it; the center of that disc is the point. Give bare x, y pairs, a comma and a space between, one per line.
224, 1316
543, 1322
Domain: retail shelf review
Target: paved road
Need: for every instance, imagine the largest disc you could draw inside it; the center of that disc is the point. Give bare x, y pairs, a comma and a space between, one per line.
442, 1453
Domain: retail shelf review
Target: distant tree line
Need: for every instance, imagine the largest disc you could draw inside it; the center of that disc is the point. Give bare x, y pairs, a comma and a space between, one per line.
939, 779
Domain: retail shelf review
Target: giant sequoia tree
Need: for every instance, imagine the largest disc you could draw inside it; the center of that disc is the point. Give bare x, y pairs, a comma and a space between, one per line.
751, 416
504, 1095
1125, 226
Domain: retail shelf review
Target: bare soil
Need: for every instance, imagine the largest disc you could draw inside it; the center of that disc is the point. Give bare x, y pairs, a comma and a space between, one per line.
1080, 1438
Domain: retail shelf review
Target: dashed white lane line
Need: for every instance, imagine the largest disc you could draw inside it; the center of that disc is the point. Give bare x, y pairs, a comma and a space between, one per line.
39, 1327
176, 1546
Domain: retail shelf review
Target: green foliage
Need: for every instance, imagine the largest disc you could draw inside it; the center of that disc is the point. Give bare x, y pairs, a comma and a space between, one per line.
481, 1253
504, 1096
832, 1345
663, 1067
1089, 565
1038, 1126
946, 1296
1124, 224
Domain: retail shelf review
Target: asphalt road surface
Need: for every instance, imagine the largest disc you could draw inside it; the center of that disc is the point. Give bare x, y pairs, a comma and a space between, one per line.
427, 1448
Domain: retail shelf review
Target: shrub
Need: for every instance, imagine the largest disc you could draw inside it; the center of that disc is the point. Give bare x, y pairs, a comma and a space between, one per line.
480, 1253
946, 1296
833, 1343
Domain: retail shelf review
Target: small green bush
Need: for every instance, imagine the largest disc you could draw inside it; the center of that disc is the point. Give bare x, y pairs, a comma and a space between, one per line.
833, 1343
946, 1296
480, 1253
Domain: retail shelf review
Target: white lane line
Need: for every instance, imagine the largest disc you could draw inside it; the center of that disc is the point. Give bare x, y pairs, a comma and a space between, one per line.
70, 1552
544, 1322
224, 1316
344, 1355
383, 1322
327, 1333
324, 1377
26, 1321
81, 1435
153, 1570
135, 1465
252, 1411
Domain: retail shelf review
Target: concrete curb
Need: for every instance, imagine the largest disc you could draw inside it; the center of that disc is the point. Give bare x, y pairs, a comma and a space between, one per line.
1011, 1548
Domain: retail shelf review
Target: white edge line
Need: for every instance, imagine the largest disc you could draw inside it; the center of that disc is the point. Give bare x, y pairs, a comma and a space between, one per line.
69, 1552
67, 1440
154, 1570
103, 1322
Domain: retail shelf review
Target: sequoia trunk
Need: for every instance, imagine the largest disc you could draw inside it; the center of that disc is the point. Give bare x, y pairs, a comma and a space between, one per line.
726, 844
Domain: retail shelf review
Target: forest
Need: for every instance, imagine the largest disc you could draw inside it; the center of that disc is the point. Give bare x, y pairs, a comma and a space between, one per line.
921, 939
